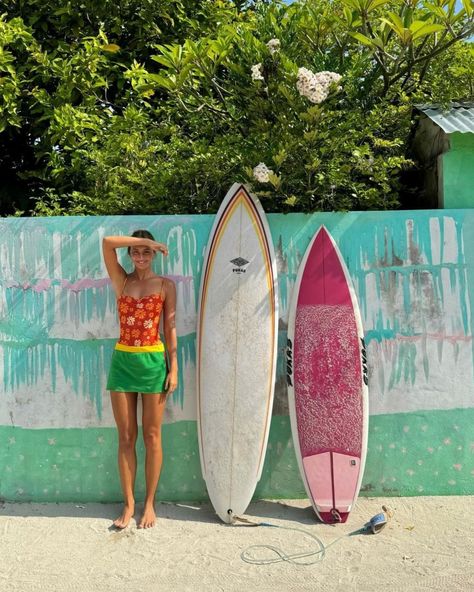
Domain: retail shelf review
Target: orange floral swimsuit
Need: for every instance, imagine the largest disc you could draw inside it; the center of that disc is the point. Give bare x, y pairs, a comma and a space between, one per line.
140, 320
139, 361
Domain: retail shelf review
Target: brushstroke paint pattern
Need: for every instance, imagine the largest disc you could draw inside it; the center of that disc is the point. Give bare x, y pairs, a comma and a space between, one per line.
410, 276
60, 329
413, 274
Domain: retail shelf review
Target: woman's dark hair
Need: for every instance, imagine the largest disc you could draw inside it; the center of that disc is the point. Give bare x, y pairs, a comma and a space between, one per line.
141, 234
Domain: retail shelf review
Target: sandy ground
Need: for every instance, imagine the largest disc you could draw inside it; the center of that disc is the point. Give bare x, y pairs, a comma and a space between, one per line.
427, 545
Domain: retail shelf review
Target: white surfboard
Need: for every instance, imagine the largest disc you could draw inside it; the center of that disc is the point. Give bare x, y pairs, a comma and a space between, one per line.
236, 352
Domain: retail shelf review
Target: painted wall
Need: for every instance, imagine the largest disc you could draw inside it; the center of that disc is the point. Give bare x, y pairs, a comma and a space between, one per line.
414, 276
458, 172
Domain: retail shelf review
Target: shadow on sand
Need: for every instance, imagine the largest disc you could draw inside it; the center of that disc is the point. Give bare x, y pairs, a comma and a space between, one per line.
299, 512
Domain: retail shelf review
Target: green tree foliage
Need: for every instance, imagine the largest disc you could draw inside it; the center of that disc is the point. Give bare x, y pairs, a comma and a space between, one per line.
135, 106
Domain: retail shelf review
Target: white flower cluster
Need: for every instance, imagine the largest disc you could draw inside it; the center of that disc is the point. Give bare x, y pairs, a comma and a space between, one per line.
257, 73
273, 45
315, 86
261, 173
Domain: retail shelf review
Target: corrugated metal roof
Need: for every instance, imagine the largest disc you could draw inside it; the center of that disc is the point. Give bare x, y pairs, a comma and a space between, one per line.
457, 118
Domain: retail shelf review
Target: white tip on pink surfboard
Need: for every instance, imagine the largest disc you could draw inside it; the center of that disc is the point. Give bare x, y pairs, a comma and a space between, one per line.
327, 380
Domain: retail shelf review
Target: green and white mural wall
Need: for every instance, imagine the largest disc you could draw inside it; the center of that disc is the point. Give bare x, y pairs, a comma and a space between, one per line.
414, 276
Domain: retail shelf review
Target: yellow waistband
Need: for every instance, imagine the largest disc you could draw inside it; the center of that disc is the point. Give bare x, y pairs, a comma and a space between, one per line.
158, 347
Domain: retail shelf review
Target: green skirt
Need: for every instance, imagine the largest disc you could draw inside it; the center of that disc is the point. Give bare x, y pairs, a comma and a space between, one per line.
137, 372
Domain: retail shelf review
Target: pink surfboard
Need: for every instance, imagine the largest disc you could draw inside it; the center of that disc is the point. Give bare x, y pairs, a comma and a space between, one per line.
327, 380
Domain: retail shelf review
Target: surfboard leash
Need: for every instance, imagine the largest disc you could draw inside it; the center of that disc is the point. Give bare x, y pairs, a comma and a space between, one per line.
375, 525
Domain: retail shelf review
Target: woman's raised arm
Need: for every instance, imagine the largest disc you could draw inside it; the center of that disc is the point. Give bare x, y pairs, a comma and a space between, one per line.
109, 245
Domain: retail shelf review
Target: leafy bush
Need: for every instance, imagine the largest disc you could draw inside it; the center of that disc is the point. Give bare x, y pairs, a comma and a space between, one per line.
125, 109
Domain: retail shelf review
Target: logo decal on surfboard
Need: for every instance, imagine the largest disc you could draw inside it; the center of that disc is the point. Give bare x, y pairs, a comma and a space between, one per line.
289, 362
240, 263
364, 362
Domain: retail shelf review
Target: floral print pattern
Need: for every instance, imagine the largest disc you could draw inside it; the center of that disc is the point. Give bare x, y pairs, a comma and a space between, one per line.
140, 319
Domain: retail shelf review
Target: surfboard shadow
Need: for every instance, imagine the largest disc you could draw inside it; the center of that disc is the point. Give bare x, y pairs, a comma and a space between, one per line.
281, 510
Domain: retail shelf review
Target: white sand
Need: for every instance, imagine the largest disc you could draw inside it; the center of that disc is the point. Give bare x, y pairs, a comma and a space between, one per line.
428, 545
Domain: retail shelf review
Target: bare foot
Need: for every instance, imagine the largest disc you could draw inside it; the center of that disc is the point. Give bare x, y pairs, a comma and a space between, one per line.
124, 519
149, 517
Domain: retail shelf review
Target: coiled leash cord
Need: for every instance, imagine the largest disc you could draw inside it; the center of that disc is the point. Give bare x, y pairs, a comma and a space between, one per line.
375, 525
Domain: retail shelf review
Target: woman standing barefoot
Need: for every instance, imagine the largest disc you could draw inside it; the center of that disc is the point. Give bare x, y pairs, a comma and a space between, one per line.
139, 363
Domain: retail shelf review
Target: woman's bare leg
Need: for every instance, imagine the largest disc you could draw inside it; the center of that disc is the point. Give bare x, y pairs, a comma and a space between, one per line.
153, 409
124, 406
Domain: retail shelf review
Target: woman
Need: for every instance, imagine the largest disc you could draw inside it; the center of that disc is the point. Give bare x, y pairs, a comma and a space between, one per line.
139, 363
